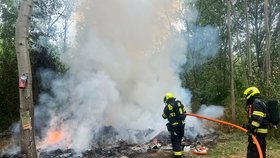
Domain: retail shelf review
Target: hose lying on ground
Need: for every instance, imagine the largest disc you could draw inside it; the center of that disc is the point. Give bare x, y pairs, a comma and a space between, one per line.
233, 125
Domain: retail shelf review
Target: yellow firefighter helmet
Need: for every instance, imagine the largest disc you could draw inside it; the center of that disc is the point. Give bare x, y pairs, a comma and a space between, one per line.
251, 91
167, 96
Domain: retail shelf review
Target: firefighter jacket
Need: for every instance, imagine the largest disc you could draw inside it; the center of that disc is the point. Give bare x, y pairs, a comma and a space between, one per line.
174, 111
257, 113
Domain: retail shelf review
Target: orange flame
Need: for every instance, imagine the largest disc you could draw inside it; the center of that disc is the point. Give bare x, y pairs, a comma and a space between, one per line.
56, 137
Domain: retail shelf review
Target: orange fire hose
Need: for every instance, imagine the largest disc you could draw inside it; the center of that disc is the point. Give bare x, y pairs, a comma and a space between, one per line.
233, 125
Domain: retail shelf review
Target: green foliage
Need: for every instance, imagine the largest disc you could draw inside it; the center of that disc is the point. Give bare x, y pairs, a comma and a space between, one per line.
209, 82
50, 24
9, 104
42, 55
211, 12
214, 91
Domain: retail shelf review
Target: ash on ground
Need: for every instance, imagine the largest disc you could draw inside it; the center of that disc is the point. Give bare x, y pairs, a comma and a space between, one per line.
109, 145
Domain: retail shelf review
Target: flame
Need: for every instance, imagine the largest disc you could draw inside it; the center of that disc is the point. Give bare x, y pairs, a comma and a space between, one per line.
56, 137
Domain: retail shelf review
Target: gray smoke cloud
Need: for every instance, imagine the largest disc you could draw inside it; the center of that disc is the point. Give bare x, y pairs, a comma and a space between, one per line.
196, 126
128, 54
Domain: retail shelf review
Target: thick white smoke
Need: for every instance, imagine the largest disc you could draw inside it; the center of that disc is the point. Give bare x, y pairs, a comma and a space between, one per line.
196, 126
128, 55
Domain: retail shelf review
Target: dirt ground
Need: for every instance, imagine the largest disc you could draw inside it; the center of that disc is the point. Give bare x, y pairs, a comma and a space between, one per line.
229, 145
168, 155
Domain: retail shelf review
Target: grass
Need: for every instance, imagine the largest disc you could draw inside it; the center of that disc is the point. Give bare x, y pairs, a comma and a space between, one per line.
230, 145
234, 145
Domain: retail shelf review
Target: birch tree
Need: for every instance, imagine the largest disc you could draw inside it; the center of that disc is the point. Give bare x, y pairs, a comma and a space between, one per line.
27, 141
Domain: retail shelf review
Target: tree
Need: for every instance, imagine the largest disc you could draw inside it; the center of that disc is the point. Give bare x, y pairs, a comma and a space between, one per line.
215, 69
27, 140
267, 65
256, 12
49, 33
9, 97
232, 95
248, 44
50, 23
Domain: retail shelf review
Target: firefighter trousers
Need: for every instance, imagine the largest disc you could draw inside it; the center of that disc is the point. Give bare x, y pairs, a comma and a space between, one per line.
252, 151
177, 133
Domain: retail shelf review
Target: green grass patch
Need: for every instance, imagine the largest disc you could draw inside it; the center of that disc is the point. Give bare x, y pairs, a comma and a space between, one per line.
234, 145
229, 145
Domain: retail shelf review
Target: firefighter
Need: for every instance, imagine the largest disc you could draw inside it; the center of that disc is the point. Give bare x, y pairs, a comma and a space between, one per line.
175, 112
257, 121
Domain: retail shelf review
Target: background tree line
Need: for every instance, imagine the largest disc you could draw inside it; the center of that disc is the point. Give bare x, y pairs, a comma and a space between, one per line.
253, 38
248, 50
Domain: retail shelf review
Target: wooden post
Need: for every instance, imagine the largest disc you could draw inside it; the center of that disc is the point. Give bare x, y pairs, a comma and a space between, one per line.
27, 140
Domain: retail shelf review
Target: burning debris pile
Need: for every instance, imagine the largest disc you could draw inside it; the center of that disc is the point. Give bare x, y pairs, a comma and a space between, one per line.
110, 144
104, 84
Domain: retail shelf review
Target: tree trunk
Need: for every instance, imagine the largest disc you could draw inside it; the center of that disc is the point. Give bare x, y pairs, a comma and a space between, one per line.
267, 63
65, 35
27, 141
249, 57
232, 95
239, 49
258, 38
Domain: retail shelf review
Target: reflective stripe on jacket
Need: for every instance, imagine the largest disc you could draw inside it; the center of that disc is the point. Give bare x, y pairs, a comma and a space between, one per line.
174, 112
257, 113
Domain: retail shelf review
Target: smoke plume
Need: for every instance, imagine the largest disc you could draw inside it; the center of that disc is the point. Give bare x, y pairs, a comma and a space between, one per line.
128, 54
196, 127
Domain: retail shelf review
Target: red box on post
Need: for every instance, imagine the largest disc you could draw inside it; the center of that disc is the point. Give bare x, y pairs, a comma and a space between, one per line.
22, 82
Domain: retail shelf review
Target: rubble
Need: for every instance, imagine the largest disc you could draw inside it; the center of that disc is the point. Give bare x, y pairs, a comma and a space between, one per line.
109, 145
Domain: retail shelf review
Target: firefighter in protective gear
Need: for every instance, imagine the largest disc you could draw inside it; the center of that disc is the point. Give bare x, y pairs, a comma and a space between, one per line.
175, 111
257, 121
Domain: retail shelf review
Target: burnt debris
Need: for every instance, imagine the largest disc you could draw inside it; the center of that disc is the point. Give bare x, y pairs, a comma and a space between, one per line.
108, 143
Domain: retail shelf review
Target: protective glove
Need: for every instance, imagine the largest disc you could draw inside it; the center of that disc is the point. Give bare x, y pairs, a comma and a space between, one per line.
246, 126
250, 130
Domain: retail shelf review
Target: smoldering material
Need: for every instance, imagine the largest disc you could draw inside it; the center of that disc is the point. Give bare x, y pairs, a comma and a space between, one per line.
128, 54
